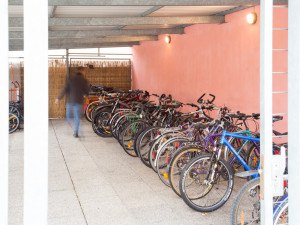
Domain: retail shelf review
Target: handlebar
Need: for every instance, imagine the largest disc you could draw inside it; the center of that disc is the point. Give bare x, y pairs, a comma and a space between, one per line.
162, 96
193, 105
243, 116
200, 100
213, 99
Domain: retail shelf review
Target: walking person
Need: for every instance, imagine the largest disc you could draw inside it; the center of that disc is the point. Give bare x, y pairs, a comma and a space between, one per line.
75, 89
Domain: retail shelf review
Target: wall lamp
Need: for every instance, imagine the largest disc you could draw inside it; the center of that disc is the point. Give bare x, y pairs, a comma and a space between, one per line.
168, 39
252, 18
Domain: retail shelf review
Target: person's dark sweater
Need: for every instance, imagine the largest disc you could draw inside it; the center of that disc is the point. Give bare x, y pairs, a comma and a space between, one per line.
75, 88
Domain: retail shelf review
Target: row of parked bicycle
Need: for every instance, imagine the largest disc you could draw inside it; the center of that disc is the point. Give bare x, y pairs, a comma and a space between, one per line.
197, 154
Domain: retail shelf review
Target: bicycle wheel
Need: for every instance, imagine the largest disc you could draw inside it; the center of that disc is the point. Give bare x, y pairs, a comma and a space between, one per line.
14, 122
164, 155
101, 124
136, 138
155, 146
206, 183
116, 126
253, 157
178, 162
246, 206
280, 212
87, 112
128, 136
243, 150
144, 142
99, 108
14, 110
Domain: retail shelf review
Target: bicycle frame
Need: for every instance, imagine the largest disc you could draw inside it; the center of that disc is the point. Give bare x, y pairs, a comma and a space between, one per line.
231, 148
244, 144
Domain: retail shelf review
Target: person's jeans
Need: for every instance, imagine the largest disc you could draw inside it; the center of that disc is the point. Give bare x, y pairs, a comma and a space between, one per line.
73, 109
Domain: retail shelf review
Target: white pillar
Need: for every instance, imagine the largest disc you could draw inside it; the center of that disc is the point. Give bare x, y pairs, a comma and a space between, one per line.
294, 110
4, 98
266, 26
36, 112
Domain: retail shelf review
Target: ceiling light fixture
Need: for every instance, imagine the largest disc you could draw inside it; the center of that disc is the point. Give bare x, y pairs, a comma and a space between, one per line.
252, 18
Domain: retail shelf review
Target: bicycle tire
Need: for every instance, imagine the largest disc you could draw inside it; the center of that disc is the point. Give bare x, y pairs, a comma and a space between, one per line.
247, 203
99, 124
87, 111
99, 108
164, 154
253, 157
128, 136
15, 110
14, 122
178, 162
155, 146
199, 201
144, 142
280, 211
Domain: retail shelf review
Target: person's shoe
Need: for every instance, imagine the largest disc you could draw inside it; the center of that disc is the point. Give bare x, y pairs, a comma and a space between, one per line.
75, 135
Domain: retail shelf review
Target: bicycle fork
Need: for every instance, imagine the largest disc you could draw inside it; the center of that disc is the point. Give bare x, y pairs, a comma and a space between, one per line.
212, 166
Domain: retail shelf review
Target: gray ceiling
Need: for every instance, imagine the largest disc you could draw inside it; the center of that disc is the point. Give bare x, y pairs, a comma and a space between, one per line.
121, 23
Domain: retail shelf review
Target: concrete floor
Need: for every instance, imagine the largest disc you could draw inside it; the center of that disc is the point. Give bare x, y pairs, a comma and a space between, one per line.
93, 181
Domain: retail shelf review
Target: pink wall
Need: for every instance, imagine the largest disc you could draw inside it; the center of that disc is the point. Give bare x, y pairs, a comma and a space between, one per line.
222, 59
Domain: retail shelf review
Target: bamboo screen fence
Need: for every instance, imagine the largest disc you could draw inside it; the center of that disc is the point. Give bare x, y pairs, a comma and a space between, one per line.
115, 74
57, 79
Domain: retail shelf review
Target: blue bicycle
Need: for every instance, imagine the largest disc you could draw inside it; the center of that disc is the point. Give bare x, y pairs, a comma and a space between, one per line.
206, 182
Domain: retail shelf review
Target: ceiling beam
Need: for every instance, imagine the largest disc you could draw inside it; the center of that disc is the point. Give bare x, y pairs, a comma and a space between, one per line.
150, 2
102, 40
223, 13
67, 41
20, 47
102, 33
116, 21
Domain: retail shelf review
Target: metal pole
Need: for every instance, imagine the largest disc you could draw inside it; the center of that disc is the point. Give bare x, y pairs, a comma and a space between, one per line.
4, 99
266, 27
67, 64
294, 109
36, 122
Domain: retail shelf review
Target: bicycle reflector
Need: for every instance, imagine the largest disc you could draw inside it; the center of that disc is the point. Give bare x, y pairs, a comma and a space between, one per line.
242, 218
154, 155
165, 175
167, 159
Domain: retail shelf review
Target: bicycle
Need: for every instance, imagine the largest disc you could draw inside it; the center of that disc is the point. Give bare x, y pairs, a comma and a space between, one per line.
246, 206
212, 174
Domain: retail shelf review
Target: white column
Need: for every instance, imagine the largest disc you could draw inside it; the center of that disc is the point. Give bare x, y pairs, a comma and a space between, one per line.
4, 98
36, 112
266, 27
294, 110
